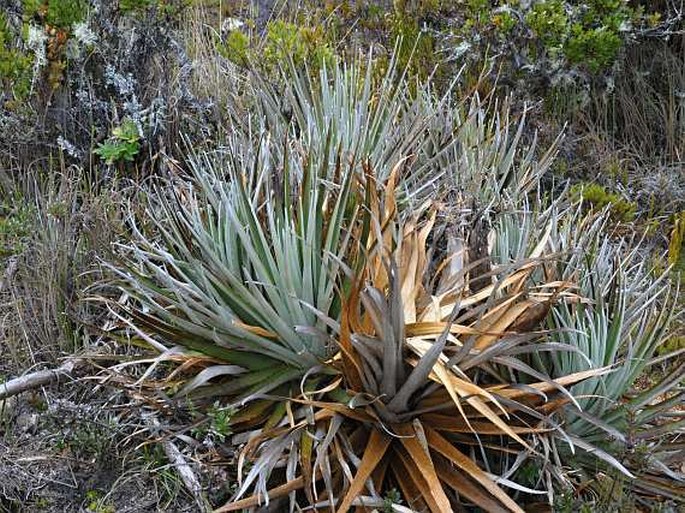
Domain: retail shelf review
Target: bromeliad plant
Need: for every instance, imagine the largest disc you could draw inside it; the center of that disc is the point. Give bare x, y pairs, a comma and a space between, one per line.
456, 144
247, 268
623, 318
369, 341
248, 255
357, 371
422, 400
624, 321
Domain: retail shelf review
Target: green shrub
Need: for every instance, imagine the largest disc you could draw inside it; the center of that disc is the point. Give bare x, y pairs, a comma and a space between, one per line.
15, 65
283, 42
589, 36
504, 22
595, 48
62, 14
302, 44
15, 226
236, 47
549, 22
548, 39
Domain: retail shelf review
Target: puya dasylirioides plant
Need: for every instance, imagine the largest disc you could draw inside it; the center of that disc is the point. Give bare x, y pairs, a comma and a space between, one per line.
382, 360
416, 388
625, 320
299, 275
276, 172
624, 315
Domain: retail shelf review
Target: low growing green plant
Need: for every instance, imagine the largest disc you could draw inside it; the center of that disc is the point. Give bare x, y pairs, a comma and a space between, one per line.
95, 503
285, 41
16, 221
598, 197
123, 145
236, 47
549, 22
671, 345
675, 244
218, 422
595, 48
61, 13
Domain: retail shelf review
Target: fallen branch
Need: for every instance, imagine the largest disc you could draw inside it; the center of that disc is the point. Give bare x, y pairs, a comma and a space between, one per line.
184, 471
38, 379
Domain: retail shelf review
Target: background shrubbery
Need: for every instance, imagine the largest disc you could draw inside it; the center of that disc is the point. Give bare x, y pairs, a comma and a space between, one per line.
73, 73
80, 74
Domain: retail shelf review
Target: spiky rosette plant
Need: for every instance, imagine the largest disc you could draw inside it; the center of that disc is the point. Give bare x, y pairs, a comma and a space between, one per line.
245, 268
245, 257
626, 317
377, 347
422, 397
276, 293
629, 433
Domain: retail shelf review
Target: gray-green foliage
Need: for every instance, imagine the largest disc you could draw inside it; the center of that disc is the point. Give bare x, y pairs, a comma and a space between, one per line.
621, 318
249, 258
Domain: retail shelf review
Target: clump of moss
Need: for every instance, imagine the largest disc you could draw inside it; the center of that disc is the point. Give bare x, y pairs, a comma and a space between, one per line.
598, 197
673, 344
